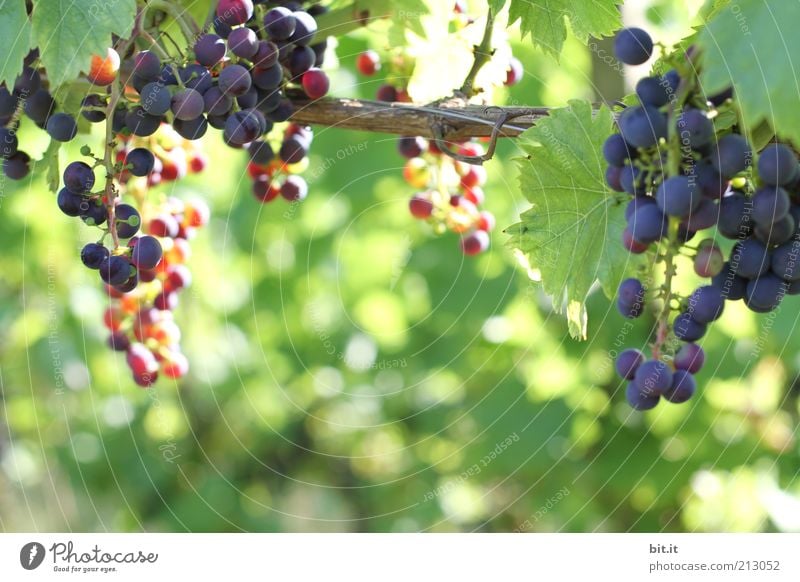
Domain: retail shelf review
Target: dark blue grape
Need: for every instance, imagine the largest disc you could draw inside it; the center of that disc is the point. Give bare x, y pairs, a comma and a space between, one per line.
196, 77
633, 46
8, 142
735, 212
187, 104
17, 166
777, 165
732, 286
652, 378
652, 91
93, 213
40, 106
642, 127
690, 357
261, 152
695, 128
79, 177
128, 220
141, 123
301, 59
777, 233
62, 127
770, 204
267, 55
731, 155
155, 98
93, 101
28, 82
243, 42
147, 65
116, 270
93, 255
765, 293
118, 341
687, 329
678, 196
8, 103
234, 80
648, 224
305, 28
637, 202
630, 298
616, 151
242, 127
280, 23
704, 216
141, 161
631, 179
682, 389
750, 258
706, 304
711, 184
269, 78
70, 203
628, 362
785, 261
146, 253
282, 112
249, 100
215, 102
209, 50
639, 400
613, 174
191, 129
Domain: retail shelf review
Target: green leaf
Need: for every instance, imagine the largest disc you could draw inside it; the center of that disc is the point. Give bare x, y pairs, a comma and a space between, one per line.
69, 32
545, 21
15, 30
571, 236
51, 159
753, 45
496, 5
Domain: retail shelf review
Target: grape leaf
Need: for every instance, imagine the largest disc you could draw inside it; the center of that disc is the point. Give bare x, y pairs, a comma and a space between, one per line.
69, 32
15, 29
544, 20
571, 236
754, 46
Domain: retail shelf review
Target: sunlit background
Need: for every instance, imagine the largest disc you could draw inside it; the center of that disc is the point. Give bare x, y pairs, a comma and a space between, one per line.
353, 372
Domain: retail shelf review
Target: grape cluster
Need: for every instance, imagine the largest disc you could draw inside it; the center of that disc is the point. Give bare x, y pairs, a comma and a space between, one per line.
684, 177
140, 320
280, 176
450, 192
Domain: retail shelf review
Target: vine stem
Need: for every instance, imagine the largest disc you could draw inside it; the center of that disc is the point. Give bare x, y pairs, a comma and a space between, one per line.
108, 164
483, 54
188, 26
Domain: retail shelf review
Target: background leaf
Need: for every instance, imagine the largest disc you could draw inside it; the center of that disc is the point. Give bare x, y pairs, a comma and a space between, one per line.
544, 20
570, 237
69, 32
756, 49
15, 30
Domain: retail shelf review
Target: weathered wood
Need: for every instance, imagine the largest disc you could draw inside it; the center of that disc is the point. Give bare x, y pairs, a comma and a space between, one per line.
457, 120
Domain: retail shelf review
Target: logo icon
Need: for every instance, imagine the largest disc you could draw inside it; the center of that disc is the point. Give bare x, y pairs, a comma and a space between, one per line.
31, 555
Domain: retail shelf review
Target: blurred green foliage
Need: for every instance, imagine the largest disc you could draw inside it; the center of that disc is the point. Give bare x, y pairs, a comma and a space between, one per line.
352, 372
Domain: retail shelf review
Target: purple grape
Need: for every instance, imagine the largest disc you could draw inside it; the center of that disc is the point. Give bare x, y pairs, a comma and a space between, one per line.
682, 388
187, 104
215, 102
706, 304
209, 50
678, 196
690, 357
93, 255
777, 165
628, 362
243, 42
633, 46
62, 127
731, 156
652, 91
78, 177
765, 293
141, 161
305, 28
116, 270
639, 400
687, 329
128, 220
234, 80
652, 378
642, 127
280, 23
146, 253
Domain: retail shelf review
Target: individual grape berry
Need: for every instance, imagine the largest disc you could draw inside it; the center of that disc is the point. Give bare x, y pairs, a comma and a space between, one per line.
187, 104
777, 165
764, 293
706, 304
648, 224
233, 12
196, 77
242, 127
146, 253
486, 221
630, 298
62, 127
128, 220
93, 255
78, 177
28, 82
613, 178
264, 190
628, 362
784, 261
734, 220
687, 329
750, 258
731, 155
163, 225
690, 357
386, 93
776, 233
267, 55
633, 46
294, 189
147, 65
770, 204
103, 70
269, 78
192, 129
280, 23
652, 91
243, 42
639, 400
17, 167
293, 150
261, 152
40, 106
141, 161
315, 83
249, 100
209, 50
93, 101
300, 60
631, 180
514, 72
368, 63
93, 213
176, 365
215, 102
475, 243
234, 80
732, 286
196, 213
616, 151
70, 203
179, 277
141, 123
678, 196
643, 127
682, 389
652, 377
709, 259
631, 244
155, 98
304, 30
703, 217
8, 143
115, 270
695, 127
118, 341
8, 103
711, 184
420, 207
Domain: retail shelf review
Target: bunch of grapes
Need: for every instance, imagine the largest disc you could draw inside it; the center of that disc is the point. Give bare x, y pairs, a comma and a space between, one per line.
684, 176
450, 192
140, 321
280, 176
